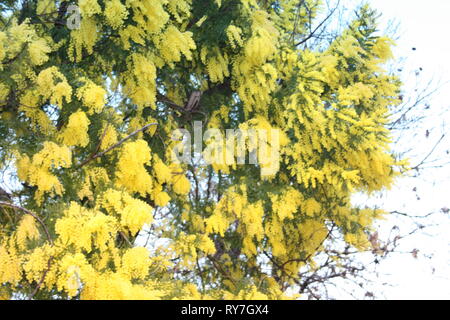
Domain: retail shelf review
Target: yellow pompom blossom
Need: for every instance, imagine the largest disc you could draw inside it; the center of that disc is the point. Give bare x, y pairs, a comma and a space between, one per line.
131, 171
173, 44
133, 213
234, 36
160, 197
140, 80
255, 77
75, 133
84, 37
53, 85
217, 64
115, 13
181, 184
89, 7
93, 96
10, 264
27, 230
38, 51
162, 171
37, 171
135, 263
97, 228
109, 137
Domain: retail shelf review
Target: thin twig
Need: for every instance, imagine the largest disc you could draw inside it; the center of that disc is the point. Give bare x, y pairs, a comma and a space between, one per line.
318, 27
11, 205
429, 154
98, 155
49, 263
14, 206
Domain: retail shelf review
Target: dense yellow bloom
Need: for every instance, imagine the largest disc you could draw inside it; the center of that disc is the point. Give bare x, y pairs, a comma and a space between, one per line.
10, 265
53, 85
84, 229
76, 131
27, 230
131, 171
234, 36
89, 7
83, 38
93, 96
37, 171
163, 173
181, 184
115, 13
140, 80
109, 137
173, 44
38, 51
136, 263
133, 213
217, 64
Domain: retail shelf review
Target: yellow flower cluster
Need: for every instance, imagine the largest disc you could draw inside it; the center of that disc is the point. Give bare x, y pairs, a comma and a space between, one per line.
115, 13
37, 171
181, 184
140, 80
93, 96
53, 85
180, 9
254, 74
10, 263
76, 131
38, 51
217, 64
189, 245
84, 37
133, 213
27, 230
109, 137
234, 36
85, 229
131, 171
173, 43
89, 7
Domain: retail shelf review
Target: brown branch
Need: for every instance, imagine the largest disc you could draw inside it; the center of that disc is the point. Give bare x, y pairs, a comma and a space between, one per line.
11, 205
313, 253
49, 263
10, 60
319, 26
125, 238
98, 155
219, 268
162, 98
429, 154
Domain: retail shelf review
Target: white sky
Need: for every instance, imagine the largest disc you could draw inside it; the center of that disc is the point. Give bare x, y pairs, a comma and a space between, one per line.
423, 26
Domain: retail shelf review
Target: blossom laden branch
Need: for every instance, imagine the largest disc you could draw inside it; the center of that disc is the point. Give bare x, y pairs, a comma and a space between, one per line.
47, 233
14, 206
101, 154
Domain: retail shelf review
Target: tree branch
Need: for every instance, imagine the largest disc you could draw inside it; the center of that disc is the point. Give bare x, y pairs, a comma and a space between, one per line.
319, 26
14, 206
98, 155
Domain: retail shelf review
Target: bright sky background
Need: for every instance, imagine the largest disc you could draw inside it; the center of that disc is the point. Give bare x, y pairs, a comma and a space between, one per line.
424, 27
